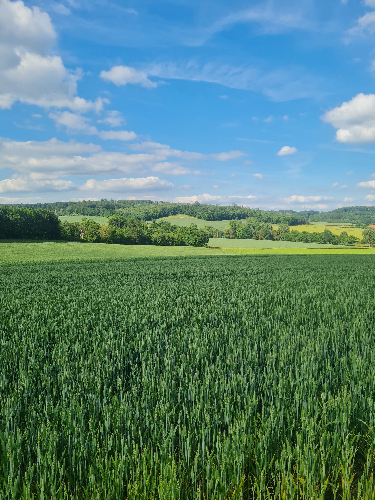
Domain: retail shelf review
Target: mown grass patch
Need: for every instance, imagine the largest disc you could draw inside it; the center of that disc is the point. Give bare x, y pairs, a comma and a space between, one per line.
61, 251
78, 218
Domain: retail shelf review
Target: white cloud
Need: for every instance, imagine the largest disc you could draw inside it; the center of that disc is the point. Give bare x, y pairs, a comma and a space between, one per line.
29, 199
209, 198
355, 120
343, 187
223, 96
36, 115
127, 185
370, 3
335, 184
167, 151
269, 119
117, 135
370, 197
286, 117
28, 183
349, 173
11, 149
282, 84
59, 8
348, 199
306, 199
231, 155
39, 183
171, 168
122, 75
80, 124
367, 185
28, 73
270, 17
287, 150
113, 119
258, 176
57, 158
248, 162
364, 24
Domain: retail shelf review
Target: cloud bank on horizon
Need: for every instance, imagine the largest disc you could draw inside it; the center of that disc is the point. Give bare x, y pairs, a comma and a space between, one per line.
105, 100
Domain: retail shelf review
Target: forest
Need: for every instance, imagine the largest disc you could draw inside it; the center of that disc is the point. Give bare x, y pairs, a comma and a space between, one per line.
148, 210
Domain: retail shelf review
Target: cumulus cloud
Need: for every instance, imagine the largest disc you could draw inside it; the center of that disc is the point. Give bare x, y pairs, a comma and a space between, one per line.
78, 124
73, 158
113, 119
364, 24
367, 185
126, 185
31, 183
269, 119
40, 183
306, 199
287, 150
62, 159
355, 119
122, 75
348, 199
370, 3
370, 197
28, 73
258, 176
171, 168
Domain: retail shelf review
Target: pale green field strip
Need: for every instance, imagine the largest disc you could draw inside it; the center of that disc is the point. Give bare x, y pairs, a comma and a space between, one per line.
262, 244
78, 218
301, 251
60, 251
185, 220
63, 251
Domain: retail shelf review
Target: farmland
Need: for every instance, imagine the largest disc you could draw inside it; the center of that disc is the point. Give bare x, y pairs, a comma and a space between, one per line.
216, 377
78, 218
334, 228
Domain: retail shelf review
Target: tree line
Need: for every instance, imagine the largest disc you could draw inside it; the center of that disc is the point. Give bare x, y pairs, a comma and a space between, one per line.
28, 223
253, 229
126, 231
147, 210
89, 208
41, 224
361, 216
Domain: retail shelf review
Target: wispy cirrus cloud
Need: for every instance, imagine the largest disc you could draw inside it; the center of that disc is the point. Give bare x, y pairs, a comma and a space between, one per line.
281, 84
268, 17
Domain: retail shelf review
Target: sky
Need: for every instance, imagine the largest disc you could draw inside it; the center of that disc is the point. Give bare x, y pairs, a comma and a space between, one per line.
267, 104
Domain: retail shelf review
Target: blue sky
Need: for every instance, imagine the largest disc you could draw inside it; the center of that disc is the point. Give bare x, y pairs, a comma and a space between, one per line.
268, 104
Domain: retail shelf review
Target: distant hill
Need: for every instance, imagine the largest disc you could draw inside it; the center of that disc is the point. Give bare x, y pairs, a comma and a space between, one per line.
149, 210
353, 215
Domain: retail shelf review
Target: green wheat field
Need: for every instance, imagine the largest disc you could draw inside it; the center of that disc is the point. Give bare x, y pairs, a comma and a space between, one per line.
203, 377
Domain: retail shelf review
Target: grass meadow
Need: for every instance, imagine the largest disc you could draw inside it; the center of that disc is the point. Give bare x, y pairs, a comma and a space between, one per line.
78, 218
